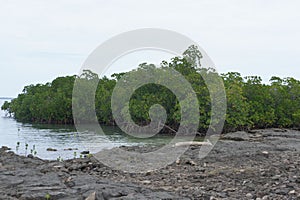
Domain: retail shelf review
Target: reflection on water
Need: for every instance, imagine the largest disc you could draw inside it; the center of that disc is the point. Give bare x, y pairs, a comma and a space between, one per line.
62, 137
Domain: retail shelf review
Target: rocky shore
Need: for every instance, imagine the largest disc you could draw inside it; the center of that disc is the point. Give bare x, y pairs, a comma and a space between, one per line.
261, 164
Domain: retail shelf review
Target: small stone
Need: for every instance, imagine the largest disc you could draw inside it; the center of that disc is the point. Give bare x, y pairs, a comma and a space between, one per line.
292, 192
92, 196
57, 166
249, 195
253, 131
148, 172
265, 152
70, 184
44, 170
51, 149
230, 190
146, 182
70, 149
5, 148
30, 156
222, 195
85, 152
68, 179
190, 162
276, 177
200, 169
282, 191
185, 187
61, 174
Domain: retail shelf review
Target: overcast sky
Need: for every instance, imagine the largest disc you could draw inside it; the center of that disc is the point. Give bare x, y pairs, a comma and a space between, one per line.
41, 40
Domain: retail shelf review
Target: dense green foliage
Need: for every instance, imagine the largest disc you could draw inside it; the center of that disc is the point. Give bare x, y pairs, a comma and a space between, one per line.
44, 103
250, 103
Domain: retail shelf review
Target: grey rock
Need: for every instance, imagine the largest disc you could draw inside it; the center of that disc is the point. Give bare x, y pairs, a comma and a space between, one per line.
51, 149
85, 152
237, 136
267, 168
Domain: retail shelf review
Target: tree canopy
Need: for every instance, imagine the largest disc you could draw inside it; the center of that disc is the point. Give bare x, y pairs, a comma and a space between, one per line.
250, 102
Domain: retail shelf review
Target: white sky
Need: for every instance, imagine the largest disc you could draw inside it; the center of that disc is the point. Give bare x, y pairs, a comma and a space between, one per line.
41, 40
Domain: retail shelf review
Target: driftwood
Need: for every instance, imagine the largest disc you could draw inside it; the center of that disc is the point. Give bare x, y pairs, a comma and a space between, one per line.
192, 143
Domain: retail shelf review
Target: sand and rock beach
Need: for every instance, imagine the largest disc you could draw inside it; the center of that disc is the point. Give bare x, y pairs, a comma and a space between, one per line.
260, 164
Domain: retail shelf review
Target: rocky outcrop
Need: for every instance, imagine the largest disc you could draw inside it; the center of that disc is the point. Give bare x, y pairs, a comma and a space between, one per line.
265, 166
237, 136
33, 178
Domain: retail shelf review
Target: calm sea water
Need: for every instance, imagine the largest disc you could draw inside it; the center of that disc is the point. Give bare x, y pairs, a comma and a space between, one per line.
62, 137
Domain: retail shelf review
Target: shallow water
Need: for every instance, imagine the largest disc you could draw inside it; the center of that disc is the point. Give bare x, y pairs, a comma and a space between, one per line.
62, 137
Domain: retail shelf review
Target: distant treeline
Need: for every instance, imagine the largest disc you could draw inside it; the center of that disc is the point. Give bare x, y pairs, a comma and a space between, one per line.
250, 103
